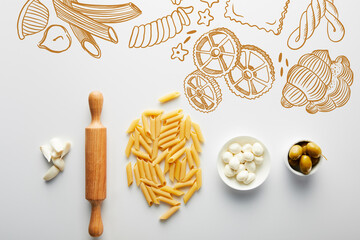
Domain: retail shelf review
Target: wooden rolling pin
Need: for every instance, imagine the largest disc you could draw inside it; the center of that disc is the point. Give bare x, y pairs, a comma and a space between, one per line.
95, 163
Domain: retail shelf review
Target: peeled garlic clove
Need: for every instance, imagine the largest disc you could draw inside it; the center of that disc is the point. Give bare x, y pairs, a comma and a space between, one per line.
240, 156
228, 171
257, 149
258, 160
241, 168
242, 176
251, 177
235, 148
227, 156
248, 156
234, 163
56, 39
250, 166
51, 173
247, 147
46, 151
59, 163
66, 149
57, 144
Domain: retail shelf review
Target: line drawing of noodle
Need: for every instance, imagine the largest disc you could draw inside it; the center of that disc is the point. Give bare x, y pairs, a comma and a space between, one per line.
33, 18
176, 2
318, 82
209, 2
160, 30
310, 20
249, 13
56, 39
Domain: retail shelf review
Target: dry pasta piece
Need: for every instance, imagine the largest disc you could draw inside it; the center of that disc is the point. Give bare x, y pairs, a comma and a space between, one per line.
199, 179
152, 195
187, 127
174, 119
171, 202
184, 184
129, 174
189, 193
177, 170
137, 140
170, 190
147, 171
140, 154
142, 133
137, 174
152, 127
195, 155
145, 146
182, 129
172, 172
171, 114
160, 175
160, 157
155, 149
170, 144
169, 212
167, 139
189, 175
157, 125
153, 112
168, 127
160, 192
169, 97
153, 174
189, 158
146, 194
129, 146
133, 125
176, 148
148, 182
166, 166
177, 155
145, 123
196, 142
168, 133
182, 169
198, 132
140, 164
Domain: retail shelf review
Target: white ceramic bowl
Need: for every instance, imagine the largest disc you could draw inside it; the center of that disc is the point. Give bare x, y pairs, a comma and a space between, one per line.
261, 172
313, 170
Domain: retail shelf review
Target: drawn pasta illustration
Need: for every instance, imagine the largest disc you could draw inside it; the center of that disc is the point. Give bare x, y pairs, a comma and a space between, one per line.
310, 20
318, 82
33, 18
247, 70
160, 30
56, 39
176, 2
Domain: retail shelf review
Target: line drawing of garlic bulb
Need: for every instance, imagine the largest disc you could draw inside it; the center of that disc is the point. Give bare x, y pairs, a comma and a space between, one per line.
318, 82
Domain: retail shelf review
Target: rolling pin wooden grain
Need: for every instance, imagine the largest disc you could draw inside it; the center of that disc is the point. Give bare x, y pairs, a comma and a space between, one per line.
95, 163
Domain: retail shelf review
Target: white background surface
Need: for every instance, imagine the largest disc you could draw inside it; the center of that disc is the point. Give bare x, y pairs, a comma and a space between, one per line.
44, 95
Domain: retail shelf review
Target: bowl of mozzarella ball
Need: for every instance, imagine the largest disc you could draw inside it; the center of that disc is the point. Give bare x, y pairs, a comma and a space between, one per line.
243, 163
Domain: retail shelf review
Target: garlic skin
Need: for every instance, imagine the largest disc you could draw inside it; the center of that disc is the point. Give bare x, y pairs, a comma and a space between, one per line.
248, 156
258, 160
46, 151
234, 163
227, 156
58, 145
235, 148
242, 176
251, 177
247, 148
228, 171
51, 173
250, 166
257, 149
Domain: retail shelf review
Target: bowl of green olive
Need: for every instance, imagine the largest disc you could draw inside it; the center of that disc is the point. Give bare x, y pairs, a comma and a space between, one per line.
304, 158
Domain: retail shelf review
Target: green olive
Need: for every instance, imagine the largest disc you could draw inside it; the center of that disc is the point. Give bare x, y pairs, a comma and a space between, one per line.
295, 152
304, 148
305, 164
294, 164
313, 150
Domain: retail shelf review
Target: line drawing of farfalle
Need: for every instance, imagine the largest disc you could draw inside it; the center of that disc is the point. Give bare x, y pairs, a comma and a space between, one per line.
318, 82
249, 13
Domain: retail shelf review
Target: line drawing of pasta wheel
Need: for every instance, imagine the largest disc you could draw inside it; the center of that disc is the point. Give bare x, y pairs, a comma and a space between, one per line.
216, 52
253, 75
202, 92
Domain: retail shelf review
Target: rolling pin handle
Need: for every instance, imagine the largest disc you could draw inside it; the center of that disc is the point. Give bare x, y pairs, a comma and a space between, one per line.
96, 226
96, 103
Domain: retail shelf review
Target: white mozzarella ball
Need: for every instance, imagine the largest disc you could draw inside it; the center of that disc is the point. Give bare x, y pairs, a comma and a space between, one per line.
235, 148
242, 176
251, 177
234, 163
258, 160
227, 156
250, 166
241, 168
248, 156
257, 149
228, 171
247, 147
240, 156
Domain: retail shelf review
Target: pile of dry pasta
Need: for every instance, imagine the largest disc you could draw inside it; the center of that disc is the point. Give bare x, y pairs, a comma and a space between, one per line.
162, 140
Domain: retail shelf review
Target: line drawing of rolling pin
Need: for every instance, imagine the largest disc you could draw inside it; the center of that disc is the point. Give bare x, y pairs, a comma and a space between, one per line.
160, 30
310, 20
95, 163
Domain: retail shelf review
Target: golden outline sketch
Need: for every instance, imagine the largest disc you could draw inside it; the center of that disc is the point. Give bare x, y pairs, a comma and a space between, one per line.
318, 82
56, 39
176, 2
310, 20
179, 53
160, 30
210, 2
205, 17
